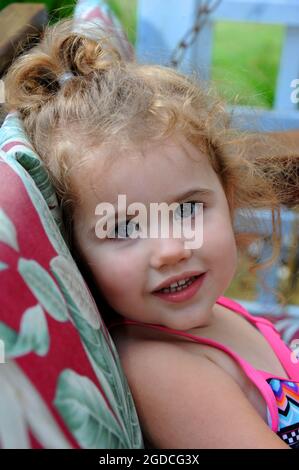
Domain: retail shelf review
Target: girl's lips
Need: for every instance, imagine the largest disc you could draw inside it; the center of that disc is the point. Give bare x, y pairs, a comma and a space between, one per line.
184, 294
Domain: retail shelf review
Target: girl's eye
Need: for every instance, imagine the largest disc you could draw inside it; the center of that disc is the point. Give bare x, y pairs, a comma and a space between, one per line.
125, 230
187, 209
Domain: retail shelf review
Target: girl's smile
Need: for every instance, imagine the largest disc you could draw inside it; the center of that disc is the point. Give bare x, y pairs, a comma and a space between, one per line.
181, 290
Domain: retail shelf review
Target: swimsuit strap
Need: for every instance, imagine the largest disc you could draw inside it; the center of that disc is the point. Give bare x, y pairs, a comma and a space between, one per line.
271, 334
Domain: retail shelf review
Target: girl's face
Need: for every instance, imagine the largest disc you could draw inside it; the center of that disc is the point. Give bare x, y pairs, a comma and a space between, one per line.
127, 270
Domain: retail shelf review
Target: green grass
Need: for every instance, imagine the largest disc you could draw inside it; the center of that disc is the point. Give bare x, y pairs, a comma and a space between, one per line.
246, 61
126, 11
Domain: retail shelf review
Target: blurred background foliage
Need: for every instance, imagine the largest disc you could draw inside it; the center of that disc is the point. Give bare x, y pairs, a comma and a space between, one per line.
245, 57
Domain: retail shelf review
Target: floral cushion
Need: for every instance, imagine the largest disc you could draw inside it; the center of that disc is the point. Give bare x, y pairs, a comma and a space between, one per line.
61, 384
16, 145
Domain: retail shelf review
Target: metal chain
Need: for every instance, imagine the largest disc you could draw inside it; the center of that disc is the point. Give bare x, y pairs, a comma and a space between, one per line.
205, 8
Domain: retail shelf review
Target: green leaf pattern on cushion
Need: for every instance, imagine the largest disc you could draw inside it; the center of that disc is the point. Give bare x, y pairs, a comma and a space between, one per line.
9, 337
8, 233
13, 426
39, 174
12, 130
23, 409
100, 354
32, 337
3, 266
105, 366
134, 428
40, 283
107, 373
73, 283
86, 414
46, 218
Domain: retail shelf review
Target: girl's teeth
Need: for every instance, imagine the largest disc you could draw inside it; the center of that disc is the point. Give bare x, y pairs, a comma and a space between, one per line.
180, 285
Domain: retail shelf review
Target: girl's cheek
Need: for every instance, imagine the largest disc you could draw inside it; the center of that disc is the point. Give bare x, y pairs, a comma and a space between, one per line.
118, 268
218, 237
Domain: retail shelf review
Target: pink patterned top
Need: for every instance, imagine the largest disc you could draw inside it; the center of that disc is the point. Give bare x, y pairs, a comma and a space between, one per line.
280, 393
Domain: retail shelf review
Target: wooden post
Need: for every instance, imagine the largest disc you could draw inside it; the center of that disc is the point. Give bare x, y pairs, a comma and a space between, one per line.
18, 22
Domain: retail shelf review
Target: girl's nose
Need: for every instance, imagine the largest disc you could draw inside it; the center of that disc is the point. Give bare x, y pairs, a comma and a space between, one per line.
168, 251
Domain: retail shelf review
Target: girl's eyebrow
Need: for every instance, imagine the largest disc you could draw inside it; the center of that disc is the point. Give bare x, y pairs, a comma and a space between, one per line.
201, 192
192, 192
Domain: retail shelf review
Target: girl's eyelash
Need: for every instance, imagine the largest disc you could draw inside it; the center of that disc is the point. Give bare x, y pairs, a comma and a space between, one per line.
191, 202
196, 202
128, 220
119, 238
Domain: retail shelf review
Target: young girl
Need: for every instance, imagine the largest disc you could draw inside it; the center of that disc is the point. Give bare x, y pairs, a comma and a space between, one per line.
204, 373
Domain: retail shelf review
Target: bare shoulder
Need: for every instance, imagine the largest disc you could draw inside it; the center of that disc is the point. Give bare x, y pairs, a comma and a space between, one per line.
187, 401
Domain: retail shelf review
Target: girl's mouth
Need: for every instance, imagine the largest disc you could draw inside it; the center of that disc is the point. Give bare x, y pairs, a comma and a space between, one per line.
183, 291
